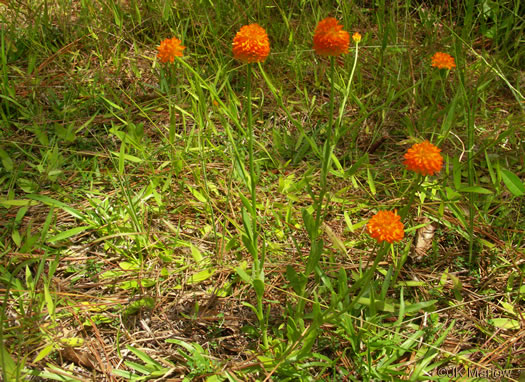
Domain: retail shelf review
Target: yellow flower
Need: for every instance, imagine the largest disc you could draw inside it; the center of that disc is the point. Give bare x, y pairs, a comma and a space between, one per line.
251, 44
386, 225
424, 158
356, 37
330, 39
443, 61
169, 49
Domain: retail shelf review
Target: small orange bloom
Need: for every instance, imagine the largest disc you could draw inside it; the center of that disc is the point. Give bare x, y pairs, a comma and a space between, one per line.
356, 37
424, 158
251, 44
443, 61
169, 49
386, 225
330, 39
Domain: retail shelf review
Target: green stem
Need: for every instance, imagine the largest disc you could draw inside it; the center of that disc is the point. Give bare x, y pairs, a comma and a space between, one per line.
469, 116
327, 152
365, 280
347, 92
250, 154
258, 262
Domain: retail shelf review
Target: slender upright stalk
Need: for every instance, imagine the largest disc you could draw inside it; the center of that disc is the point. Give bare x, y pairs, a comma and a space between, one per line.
250, 155
347, 91
327, 152
316, 243
258, 261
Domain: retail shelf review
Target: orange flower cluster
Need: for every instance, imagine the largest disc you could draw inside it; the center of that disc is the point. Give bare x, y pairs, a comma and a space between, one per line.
330, 39
169, 49
424, 158
386, 226
443, 61
251, 44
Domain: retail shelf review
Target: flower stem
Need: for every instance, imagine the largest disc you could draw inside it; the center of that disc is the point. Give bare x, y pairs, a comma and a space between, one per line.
347, 91
258, 262
250, 154
353, 67
316, 246
327, 151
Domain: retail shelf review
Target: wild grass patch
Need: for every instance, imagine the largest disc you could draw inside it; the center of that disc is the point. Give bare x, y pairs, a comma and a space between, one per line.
335, 193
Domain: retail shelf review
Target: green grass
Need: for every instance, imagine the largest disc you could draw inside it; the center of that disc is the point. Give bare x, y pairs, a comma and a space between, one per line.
126, 211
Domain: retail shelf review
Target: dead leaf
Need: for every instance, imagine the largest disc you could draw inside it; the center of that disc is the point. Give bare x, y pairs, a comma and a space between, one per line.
78, 357
423, 240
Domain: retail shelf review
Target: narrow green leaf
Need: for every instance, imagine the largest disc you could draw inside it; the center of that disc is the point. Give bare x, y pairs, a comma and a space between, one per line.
475, 190
492, 174
315, 254
258, 285
356, 166
249, 245
49, 301
296, 281
423, 305
247, 222
121, 158
456, 173
55, 203
513, 183
128, 266
7, 364
16, 203
348, 221
309, 223
254, 309
112, 103
336, 241
138, 367
201, 276
371, 183
342, 280
124, 374
27, 185
143, 303
196, 254
411, 283
144, 357
376, 304
201, 198
505, 323
7, 162
67, 234
15, 235
243, 275
44, 353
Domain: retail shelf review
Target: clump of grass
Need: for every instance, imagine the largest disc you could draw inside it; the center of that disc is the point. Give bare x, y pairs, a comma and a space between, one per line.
192, 220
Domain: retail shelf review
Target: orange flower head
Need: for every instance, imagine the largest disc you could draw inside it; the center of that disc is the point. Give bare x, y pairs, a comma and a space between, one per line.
386, 225
251, 44
356, 37
424, 158
169, 49
443, 61
330, 39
